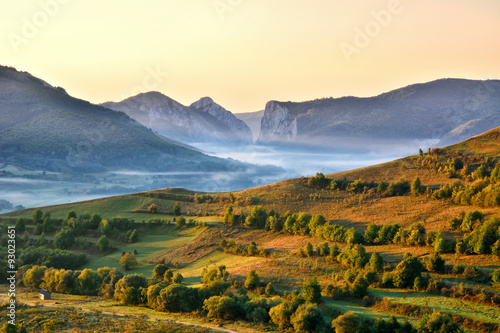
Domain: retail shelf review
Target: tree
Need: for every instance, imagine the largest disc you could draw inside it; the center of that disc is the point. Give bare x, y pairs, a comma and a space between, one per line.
95, 220
128, 261
376, 262
153, 208
168, 275
105, 228
257, 218
89, 282
420, 152
33, 277
324, 249
103, 243
435, 263
269, 289
311, 291
281, 313
71, 214
222, 307
20, 225
48, 225
64, 239
416, 187
134, 236
407, 270
496, 277
178, 298
307, 318
159, 271
346, 323
228, 216
180, 222
128, 289
177, 279
359, 287
37, 216
309, 249
252, 280
177, 209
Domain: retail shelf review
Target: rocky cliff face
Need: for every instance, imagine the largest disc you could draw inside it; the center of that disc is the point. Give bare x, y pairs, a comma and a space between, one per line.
277, 124
203, 121
445, 111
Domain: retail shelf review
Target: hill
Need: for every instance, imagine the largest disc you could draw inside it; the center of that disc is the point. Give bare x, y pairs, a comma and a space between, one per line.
372, 241
445, 111
203, 121
42, 127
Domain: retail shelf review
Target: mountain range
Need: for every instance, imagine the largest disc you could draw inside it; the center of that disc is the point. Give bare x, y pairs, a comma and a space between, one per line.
445, 111
43, 127
202, 121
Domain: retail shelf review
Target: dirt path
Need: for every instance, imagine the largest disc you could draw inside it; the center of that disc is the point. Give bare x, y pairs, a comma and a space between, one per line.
149, 318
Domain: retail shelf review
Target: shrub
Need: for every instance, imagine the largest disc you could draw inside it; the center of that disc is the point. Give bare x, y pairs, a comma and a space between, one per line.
307, 318
311, 291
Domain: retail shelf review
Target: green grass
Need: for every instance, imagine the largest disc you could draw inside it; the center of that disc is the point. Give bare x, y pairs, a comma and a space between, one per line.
442, 304
156, 242
192, 272
346, 306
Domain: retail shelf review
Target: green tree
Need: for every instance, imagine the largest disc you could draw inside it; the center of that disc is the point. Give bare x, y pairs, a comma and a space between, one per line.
159, 271
376, 262
324, 249
89, 282
48, 225
134, 236
257, 218
178, 278
307, 318
495, 278
20, 225
103, 243
228, 216
435, 263
168, 275
416, 187
252, 280
105, 228
346, 323
71, 214
222, 307
177, 209
281, 314
95, 220
407, 270
64, 239
269, 289
309, 249
153, 208
437, 322
37, 216
128, 261
359, 287
311, 291
180, 222
128, 288
33, 277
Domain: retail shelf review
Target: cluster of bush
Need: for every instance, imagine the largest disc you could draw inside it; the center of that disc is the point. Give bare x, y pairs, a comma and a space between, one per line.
398, 188
230, 246
482, 237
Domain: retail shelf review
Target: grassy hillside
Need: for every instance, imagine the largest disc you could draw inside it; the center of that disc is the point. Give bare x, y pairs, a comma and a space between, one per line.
432, 219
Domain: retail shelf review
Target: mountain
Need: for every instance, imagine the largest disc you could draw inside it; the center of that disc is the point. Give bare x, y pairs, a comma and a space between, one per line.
202, 121
253, 120
43, 127
446, 111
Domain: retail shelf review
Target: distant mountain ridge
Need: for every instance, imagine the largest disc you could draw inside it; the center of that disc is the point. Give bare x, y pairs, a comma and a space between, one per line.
447, 111
43, 127
202, 121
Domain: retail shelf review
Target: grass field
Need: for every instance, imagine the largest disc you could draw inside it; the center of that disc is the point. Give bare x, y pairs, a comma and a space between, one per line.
442, 304
152, 245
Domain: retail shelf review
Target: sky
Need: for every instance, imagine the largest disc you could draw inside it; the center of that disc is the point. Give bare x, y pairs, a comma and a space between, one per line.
243, 53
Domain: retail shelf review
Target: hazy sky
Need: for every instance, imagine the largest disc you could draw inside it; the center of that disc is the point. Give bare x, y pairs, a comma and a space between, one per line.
243, 53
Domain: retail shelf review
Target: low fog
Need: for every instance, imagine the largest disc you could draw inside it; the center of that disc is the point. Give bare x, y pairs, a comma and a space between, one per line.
33, 191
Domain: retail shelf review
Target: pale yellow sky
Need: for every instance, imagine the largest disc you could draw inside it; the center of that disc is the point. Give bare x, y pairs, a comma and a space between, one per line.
243, 53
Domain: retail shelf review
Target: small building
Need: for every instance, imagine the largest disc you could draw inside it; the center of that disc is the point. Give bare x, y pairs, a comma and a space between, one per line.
44, 294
